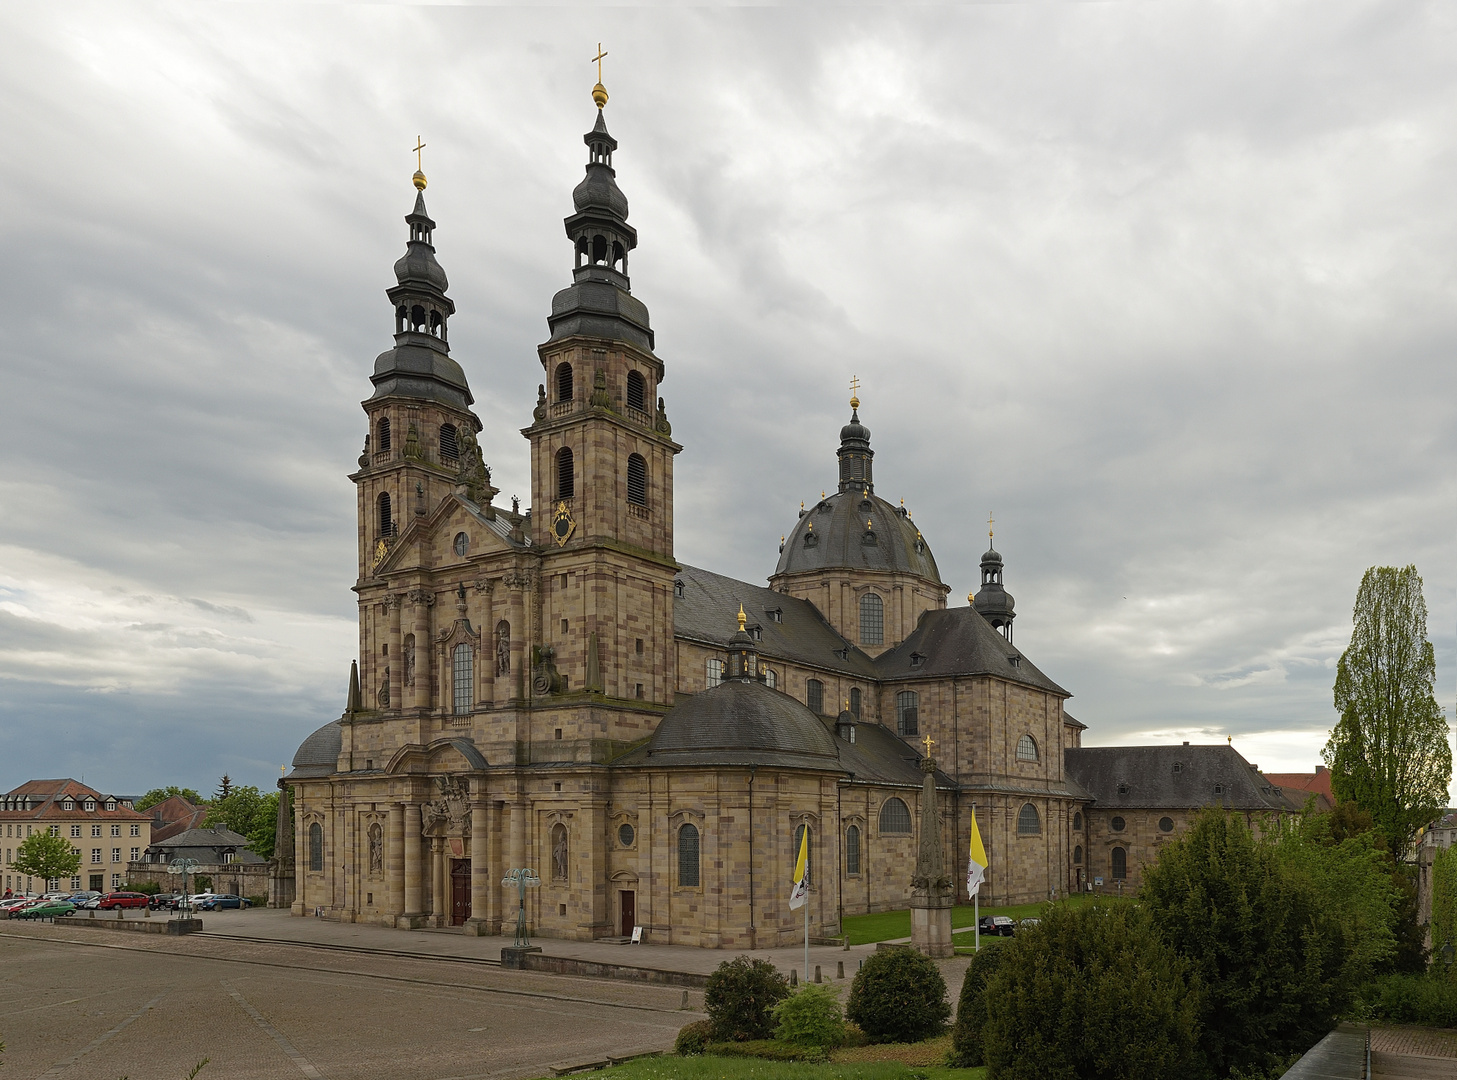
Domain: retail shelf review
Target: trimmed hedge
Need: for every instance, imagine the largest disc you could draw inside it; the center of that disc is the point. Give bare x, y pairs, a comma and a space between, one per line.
740, 997
898, 996
967, 1049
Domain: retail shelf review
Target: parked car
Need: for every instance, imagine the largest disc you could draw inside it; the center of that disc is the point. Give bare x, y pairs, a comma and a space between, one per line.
223, 900
1028, 922
15, 903
162, 901
997, 925
121, 900
90, 904
46, 909
84, 895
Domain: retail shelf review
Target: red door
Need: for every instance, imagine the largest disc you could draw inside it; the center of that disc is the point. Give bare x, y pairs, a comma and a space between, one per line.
459, 891
629, 911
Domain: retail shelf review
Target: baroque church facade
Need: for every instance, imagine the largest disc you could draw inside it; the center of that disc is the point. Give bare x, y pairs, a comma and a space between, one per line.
553, 689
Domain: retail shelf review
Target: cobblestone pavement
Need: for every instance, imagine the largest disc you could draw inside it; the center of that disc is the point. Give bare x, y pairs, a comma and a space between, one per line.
92, 1003
1423, 1042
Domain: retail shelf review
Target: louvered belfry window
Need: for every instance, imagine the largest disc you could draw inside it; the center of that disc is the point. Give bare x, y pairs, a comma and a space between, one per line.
636, 391
386, 515
449, 445
384, 433
566, 479
564, 382
637, 480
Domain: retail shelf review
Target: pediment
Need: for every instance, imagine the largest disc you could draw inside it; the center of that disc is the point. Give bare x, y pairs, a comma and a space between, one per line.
442, 756
429, 542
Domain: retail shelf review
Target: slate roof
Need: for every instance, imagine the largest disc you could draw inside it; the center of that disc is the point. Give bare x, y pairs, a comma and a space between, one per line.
958, 641
1182, 777
747, 723
707, 612
319, 753
839, 528
47, 798
207, 846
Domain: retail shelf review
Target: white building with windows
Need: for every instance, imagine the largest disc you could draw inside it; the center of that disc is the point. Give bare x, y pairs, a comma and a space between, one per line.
105, 830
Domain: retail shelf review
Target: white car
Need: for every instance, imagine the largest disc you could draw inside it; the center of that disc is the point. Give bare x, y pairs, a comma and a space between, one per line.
198, 898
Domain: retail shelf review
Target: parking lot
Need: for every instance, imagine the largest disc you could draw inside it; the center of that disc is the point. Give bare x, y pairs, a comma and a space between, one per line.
80, 1001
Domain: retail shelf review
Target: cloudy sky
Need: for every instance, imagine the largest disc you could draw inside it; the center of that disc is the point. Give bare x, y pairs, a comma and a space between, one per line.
1167, 287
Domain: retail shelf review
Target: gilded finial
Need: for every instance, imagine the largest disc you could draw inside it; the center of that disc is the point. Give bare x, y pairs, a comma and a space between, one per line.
929, 742
419, 164
868, 525
971, 599
854, 391
811, 527
742, 617
599, 92
990, 521
822, 496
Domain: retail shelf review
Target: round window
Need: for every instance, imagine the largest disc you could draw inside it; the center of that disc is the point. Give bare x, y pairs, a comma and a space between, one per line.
625, 835
1116, 824
1166, 824
462, 543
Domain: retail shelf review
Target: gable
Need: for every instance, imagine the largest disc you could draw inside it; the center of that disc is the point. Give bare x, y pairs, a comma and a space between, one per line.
429, 542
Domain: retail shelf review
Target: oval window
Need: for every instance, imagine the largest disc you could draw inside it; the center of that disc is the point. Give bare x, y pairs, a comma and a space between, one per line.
1166, 824
1117, 824
626, 835
462, 543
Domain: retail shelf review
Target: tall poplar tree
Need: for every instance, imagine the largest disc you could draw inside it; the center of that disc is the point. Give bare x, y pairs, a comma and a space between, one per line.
1390, 753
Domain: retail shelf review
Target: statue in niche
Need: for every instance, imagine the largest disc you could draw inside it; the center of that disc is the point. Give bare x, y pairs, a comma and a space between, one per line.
559, 853
409, 650
384, 690
503, 648
376, 850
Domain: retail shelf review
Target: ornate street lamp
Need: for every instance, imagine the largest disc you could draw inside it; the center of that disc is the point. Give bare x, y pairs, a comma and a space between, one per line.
524, 878
183, 867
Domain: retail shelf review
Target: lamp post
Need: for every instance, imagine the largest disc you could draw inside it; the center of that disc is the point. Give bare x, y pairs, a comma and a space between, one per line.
524, 878
183, 867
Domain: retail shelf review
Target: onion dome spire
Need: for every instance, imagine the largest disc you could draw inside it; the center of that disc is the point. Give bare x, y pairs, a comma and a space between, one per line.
419, 366
743, 653
993, 603
855, 454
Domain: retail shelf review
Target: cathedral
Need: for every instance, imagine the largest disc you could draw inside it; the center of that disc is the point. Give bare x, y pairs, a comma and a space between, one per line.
552, 689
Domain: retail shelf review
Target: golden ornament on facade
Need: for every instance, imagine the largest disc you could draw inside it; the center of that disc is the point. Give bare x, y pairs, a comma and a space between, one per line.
562, 524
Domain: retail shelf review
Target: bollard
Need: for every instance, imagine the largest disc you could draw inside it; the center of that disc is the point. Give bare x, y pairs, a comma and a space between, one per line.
840, 971
817, 974
684, 1003
794, 976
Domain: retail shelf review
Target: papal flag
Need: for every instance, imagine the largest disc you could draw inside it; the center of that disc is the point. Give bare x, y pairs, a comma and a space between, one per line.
800, 892
976, 865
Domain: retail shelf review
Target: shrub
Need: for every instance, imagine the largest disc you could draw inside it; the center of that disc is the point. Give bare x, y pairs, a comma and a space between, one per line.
811, 1017
261, 900
739, 997
1408, 999
768, 1049
693, 1038
149, 888
898, 996
1091, 993
971, 1010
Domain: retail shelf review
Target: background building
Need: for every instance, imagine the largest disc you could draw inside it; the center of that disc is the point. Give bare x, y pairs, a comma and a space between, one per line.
104, 829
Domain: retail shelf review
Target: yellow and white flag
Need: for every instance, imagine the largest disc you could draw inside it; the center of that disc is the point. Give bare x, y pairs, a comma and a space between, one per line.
800, 893
976, 866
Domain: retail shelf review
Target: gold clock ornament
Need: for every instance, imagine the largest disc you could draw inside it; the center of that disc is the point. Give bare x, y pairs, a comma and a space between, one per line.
563, 524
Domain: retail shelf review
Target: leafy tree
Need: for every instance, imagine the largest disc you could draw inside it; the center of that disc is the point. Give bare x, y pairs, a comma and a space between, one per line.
162, 794
1390, 752
1263, 944
1089, 994
967, 1048
898, 996
1444, 900
45, 856
739, 999
249, 812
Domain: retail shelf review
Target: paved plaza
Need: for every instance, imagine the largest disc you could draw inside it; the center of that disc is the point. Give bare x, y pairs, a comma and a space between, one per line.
84, 1002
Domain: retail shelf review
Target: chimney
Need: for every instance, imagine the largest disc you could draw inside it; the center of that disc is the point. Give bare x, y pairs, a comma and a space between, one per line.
1319, 769
1186, 742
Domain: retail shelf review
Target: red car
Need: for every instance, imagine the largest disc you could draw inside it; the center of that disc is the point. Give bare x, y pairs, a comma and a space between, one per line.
122, 899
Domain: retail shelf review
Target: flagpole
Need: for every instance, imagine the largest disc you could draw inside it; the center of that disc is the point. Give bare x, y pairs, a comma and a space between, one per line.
806, 940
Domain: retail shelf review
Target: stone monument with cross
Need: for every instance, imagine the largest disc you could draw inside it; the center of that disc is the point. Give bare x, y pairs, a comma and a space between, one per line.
932, 896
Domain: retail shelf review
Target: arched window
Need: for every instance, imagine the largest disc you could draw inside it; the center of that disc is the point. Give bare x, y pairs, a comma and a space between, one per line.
770, 679
1120, 864
814, 695
1078, 820
316, 846
637, 480
809, 855
386, 515
449, 444
907, 708
566, 478
564, 382
1078, 855
872, 620
1026, 748
383, 430
1028, 823
688, 857
559, 853
713, 671
895, 817
462, 672
637, 394
852, 850
855, 700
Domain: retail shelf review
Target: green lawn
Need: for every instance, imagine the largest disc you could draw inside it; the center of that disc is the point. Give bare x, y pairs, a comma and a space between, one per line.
889, 925
720, 1068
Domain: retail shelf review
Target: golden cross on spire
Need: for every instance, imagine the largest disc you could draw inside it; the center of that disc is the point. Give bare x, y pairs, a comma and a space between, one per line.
419, 145
990, 522
854, 391
599, 92
929, 743
598, 59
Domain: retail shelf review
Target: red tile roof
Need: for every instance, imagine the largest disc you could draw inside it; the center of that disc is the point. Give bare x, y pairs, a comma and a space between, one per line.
1318, 782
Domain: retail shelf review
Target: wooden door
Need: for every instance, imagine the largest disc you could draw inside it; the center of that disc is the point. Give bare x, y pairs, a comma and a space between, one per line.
629, 911
459, 891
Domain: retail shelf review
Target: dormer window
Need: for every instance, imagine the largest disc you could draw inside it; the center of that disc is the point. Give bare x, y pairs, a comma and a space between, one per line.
678, 589
776, 615
917, 660
111, 804
1178, 766
69, 804
1015, 661
1219, 789
756, 632
843, 654
1122, 787
90, 805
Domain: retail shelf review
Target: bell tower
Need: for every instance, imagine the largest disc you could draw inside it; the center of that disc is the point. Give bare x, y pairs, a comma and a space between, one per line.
602, 458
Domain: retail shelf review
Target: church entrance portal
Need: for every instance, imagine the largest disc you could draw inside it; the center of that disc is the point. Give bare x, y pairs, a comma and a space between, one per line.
629, 911
459, 891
